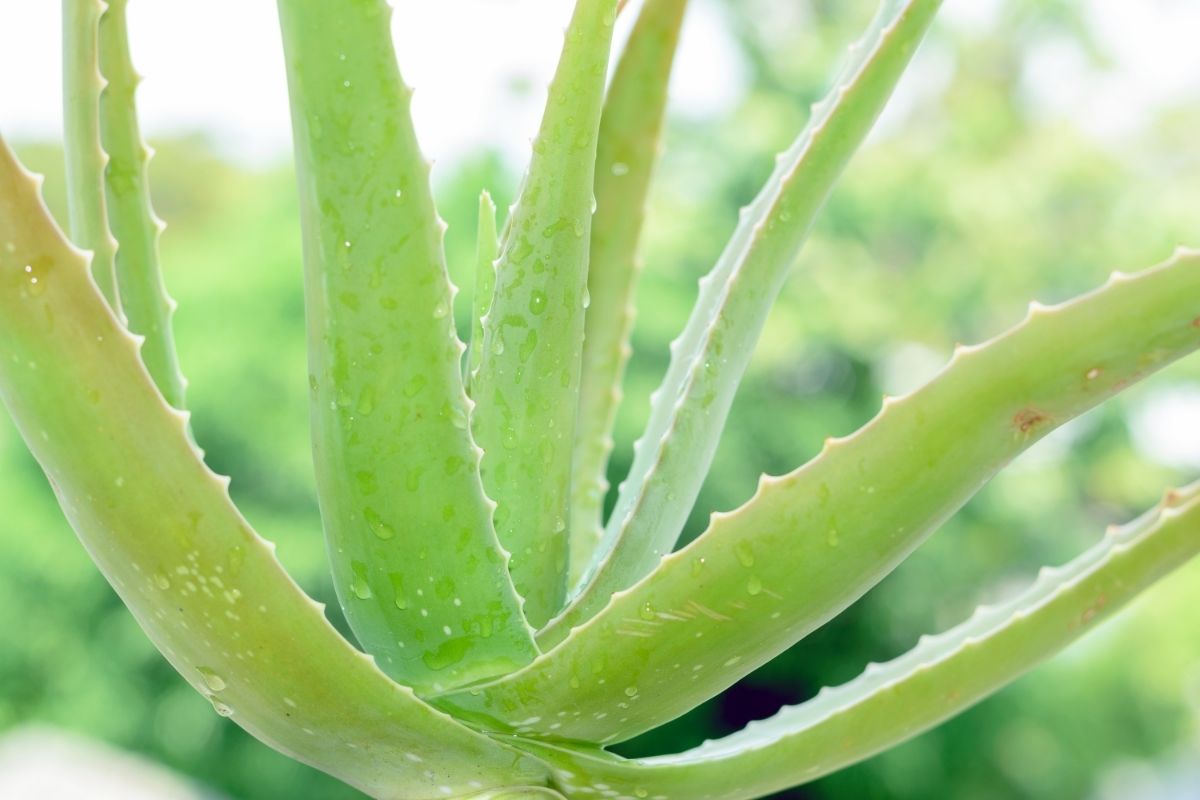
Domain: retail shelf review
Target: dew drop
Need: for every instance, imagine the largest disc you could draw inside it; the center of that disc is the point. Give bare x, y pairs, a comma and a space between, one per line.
366, 401
646, 612
360, 586
415, 385
221, 709
162, 581
412, 481
397, 581
631, 691
528, 346
744, 553
366, 482
212, 680
537, 301
441, 310
378, 527
754, 586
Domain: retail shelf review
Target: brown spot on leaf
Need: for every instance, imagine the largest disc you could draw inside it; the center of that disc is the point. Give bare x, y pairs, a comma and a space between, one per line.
1095, 608
1027, 419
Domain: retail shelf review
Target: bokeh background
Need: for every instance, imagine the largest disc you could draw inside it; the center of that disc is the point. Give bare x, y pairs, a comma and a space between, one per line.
1035, 146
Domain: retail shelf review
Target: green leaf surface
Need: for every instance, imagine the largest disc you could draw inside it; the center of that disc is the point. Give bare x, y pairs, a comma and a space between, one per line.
810, 543
942, 676
518, 793
144, 300
85, 157
416, 562
689, 410
487, 250
630, 138
527, 387
160, 525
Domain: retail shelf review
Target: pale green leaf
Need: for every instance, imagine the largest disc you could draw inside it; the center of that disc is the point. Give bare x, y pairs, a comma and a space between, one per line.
630, 138
811, 542
416, 563
689, 410
893, 702
86, 160
205, 588
527, 386
487, 250
135, 227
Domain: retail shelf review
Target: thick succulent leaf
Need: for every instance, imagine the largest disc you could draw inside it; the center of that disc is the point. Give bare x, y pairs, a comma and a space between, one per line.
518, 793
417, 566
206, 589
810, 543
527, 387
86, 159
890, 703
144, 300
630, 138
708, 360
487, 250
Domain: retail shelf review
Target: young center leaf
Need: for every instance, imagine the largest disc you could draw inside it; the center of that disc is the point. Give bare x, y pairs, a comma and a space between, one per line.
526, 389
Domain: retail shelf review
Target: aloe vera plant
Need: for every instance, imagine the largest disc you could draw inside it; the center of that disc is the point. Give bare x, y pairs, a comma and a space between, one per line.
509, 631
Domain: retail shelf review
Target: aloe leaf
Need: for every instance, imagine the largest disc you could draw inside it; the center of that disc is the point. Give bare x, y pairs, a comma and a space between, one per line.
941, 677
86, 159
416, 563
630, 138
487, 250
144, 300
206, 589
708, 359
811, 542
519, 793
527, 386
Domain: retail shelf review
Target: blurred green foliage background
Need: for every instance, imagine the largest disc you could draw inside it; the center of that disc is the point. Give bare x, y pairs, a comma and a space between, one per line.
967, 203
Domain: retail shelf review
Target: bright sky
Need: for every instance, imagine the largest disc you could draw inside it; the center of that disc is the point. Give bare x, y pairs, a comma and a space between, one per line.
217, 67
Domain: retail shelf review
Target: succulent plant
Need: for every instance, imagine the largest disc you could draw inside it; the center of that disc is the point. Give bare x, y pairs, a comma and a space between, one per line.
510, 632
